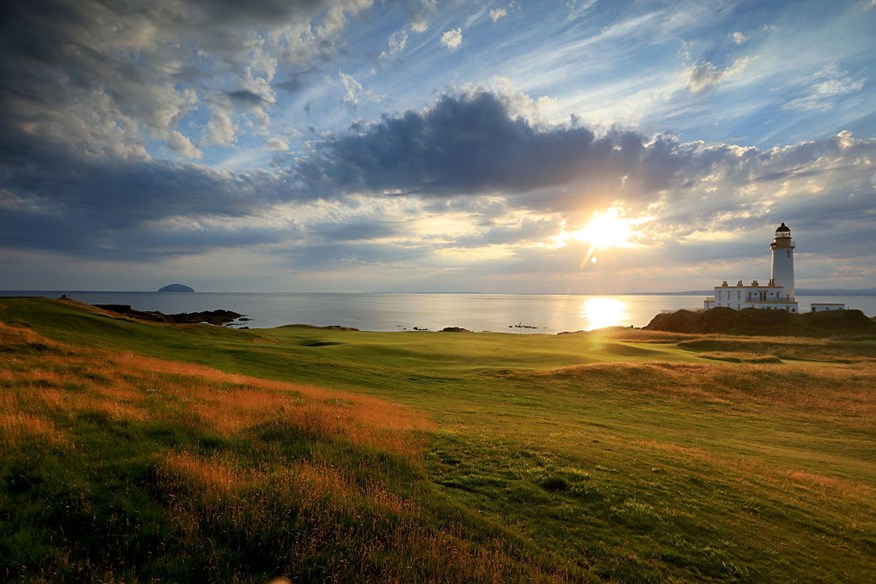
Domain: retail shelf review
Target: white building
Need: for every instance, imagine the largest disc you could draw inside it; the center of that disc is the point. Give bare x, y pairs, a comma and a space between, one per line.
826, 306
778, 294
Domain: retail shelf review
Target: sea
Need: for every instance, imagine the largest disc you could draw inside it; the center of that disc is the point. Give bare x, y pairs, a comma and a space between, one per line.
508, 313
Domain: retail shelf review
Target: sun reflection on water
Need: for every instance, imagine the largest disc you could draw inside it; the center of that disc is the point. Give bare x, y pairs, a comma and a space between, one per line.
600, 312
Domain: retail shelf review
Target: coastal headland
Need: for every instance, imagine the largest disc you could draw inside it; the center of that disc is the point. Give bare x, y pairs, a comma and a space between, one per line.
147, 450
750, 321
217, 317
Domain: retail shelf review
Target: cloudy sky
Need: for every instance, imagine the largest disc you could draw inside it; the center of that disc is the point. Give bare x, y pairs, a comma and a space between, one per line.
587, 146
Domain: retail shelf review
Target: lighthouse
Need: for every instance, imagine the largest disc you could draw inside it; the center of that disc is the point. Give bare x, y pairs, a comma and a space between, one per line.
778, 294
782, 273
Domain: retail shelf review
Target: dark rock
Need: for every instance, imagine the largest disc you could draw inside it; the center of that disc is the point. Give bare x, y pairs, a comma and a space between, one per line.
333, 327
454, 329
217, 317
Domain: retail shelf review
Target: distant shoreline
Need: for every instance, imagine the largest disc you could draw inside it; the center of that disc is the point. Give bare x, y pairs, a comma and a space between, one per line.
800, 292
391, 312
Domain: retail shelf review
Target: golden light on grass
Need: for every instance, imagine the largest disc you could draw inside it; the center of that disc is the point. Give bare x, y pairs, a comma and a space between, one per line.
207, 475
231, 403
65, 382
16, 426
11, 336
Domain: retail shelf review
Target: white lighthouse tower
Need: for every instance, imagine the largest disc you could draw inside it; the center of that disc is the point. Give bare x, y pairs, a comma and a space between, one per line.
782, 273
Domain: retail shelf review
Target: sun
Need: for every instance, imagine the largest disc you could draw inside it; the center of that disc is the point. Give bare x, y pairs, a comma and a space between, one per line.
604, 230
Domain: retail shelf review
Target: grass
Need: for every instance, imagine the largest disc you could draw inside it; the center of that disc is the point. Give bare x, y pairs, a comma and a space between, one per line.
137, 451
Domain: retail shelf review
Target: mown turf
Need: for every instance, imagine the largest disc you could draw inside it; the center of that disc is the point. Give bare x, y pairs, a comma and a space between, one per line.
620, 455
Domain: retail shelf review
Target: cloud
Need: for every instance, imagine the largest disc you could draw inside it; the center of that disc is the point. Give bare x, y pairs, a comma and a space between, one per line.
354, 93
705, 75
420, 24
576, 9
220, 128
245, 98
425, 10
292, 85
180, 143
471, 144
113, 114
452, 39
820, 91
396, 44
79, 204
497, 13
466, 179
276, 144
127, 80
471, 147
352, 89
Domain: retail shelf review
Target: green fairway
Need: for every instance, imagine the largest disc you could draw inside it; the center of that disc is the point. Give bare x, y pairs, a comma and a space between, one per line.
620, 454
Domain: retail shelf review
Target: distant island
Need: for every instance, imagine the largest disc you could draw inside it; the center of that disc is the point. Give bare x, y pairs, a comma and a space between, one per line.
176, 288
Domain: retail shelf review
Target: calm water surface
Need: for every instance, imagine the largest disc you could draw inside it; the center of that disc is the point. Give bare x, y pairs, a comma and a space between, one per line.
513, 313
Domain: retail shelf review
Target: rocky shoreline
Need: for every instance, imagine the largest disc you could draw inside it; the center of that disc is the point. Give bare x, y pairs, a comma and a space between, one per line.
218, 317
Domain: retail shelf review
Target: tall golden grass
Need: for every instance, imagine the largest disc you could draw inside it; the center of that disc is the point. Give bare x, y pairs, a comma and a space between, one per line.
332, 514
360, 531
57, 381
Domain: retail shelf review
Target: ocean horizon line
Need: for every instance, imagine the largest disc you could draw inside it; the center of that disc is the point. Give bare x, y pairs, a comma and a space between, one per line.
800, 292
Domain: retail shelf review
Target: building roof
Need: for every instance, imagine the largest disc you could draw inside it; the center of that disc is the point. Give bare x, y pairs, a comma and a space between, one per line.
783, 228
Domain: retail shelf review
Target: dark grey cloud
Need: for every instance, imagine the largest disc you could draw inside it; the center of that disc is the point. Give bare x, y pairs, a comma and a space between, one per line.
471, 144
55, 199
258, 11
294, 82
245, 98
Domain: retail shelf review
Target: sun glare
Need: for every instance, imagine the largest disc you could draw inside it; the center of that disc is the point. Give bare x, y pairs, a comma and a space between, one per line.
599, 312
604, 230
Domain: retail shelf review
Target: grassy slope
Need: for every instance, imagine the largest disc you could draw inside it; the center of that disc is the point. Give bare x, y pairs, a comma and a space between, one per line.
626, 454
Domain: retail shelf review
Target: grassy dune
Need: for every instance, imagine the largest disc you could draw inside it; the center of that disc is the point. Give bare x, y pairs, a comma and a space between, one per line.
135, 451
